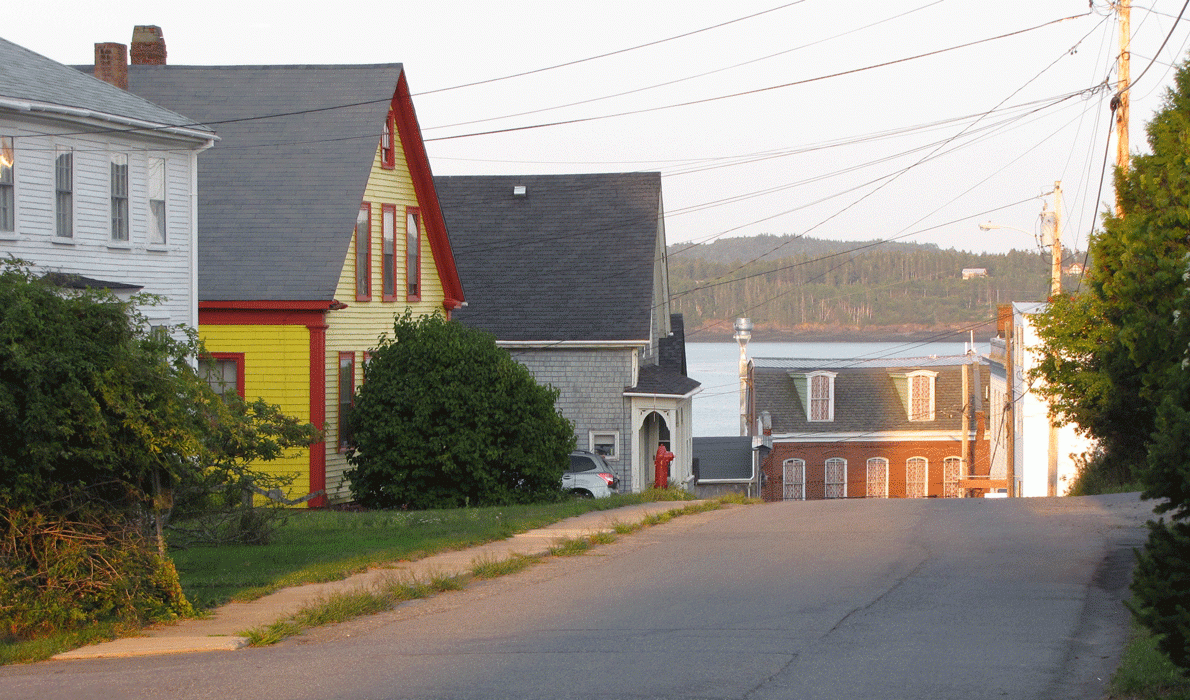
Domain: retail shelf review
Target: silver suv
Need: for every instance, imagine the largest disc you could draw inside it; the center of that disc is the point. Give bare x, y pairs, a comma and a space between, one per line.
589, 476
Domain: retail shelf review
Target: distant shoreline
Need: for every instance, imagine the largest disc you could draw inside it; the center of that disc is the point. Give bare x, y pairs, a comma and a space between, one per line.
879, 334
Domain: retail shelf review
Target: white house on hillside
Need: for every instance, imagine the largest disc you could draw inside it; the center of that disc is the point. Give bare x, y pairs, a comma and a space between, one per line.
97, 185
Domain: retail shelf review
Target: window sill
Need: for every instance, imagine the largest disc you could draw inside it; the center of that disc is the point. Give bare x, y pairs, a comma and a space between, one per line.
157, 248
118, 245
63, 240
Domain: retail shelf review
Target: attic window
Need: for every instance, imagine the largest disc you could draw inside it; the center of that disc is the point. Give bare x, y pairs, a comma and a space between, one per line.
921, 395
519, 191
388, 142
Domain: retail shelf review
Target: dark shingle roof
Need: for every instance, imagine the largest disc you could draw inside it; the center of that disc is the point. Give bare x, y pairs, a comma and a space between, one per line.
723, 457
31, 77
278, 196
666, 381
571, 259
866, 397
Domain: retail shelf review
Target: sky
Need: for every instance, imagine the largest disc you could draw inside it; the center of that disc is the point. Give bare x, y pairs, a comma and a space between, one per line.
912, 120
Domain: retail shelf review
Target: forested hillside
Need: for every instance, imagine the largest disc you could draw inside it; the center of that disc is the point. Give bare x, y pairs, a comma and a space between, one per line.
792, 282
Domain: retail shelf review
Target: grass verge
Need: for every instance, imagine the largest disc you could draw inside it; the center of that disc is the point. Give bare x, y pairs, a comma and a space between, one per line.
25, 651
1147, 674
317, 546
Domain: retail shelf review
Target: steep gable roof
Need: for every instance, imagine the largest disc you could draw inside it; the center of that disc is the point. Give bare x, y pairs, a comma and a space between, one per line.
40, 84
278, 197
571, 259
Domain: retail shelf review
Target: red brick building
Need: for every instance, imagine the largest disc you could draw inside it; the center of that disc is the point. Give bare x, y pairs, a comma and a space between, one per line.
873, 428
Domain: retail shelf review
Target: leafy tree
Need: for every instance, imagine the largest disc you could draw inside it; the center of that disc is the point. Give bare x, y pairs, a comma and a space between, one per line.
445, 418
101, 419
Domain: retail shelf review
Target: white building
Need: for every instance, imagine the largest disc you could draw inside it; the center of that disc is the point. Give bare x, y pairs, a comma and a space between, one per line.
1045, 456
98, 186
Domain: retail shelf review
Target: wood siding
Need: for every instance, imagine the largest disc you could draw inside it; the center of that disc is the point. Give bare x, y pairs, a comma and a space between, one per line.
164, 270
356, 328
276, 369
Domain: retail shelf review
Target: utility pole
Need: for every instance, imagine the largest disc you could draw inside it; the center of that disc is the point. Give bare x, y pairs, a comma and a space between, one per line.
1010, 406
1056, 244
1120, 101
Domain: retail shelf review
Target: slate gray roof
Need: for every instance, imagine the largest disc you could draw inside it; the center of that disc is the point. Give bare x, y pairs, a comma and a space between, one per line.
278, 196
866, 398
665, 381
31, 77
572, 259
723, 457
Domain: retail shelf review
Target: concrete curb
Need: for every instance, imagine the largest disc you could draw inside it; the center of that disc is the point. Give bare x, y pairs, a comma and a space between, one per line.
222, 631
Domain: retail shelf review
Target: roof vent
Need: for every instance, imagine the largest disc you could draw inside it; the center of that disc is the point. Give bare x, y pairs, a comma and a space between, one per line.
519, 191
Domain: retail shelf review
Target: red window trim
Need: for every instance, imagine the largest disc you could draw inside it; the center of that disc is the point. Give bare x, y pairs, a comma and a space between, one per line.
238, 358
366, 293
341, 445
385, 208
416, 211
388, 154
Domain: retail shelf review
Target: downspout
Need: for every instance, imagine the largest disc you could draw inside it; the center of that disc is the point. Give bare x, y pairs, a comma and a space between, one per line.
194, 236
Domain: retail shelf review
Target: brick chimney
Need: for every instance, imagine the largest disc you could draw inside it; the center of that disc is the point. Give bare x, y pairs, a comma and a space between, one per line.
111, 64
148, 46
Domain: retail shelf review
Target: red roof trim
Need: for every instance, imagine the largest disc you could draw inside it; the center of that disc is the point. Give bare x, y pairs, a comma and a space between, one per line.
320, 305
427, 197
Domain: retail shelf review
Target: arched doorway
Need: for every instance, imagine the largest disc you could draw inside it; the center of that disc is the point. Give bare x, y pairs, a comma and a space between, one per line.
654, 430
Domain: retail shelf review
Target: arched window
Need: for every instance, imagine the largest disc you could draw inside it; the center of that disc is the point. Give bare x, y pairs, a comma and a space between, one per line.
794, 479
836, 478
951, 472
877, 477
917, 477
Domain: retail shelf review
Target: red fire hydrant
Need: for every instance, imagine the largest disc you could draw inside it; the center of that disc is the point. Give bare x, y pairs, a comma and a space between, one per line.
661, 467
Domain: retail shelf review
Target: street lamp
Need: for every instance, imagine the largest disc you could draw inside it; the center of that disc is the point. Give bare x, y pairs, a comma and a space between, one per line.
1056, 245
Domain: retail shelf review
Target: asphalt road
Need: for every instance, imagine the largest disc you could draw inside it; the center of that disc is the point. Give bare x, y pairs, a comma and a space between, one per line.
860, 599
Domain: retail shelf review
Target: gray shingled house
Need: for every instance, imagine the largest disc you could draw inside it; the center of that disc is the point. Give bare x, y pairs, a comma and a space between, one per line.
95, 185
873, 428
569, 273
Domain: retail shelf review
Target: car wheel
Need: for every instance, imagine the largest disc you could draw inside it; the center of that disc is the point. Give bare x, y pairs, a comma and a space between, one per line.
580, 493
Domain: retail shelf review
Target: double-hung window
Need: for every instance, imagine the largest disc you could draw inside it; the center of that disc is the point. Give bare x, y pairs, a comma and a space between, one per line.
8, 200
388, 142
952, 472
388, 229
793, 478
877, 477
225, 372
822, 397
346, 398
119, 196
155, 175
64, 193
836, 478
413, 254
363, 253
921, 395
917, 477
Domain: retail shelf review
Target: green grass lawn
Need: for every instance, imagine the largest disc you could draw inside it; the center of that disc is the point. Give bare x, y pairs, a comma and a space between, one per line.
1147, 674
317, 545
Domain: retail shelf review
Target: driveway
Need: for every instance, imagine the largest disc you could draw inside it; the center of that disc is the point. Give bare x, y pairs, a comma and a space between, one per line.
856, 599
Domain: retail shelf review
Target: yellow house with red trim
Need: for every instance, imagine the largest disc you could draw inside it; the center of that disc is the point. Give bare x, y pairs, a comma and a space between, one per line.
318, 223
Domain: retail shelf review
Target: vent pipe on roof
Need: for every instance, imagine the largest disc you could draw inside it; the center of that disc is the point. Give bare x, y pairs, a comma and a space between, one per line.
519, 191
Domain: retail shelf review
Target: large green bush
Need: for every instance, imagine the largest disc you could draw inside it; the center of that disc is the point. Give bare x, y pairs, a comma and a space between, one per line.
444, 418
1161, 589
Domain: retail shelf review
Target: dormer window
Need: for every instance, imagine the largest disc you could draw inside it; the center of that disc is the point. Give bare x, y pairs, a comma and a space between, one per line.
921, 395
821, 406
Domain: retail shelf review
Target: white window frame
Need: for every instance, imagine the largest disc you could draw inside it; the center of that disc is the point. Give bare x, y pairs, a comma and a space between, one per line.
158, 216
952, 472
925, 486
120, 228
799, 491
880, 464
64, 221
811, 399
592, 436
830, 488
8, 185
915, 379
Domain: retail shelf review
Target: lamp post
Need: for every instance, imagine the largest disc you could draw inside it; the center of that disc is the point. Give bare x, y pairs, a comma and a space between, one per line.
743, 333
1055, 240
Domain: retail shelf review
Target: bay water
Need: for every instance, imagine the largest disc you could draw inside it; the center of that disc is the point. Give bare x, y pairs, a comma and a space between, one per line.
716, 366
